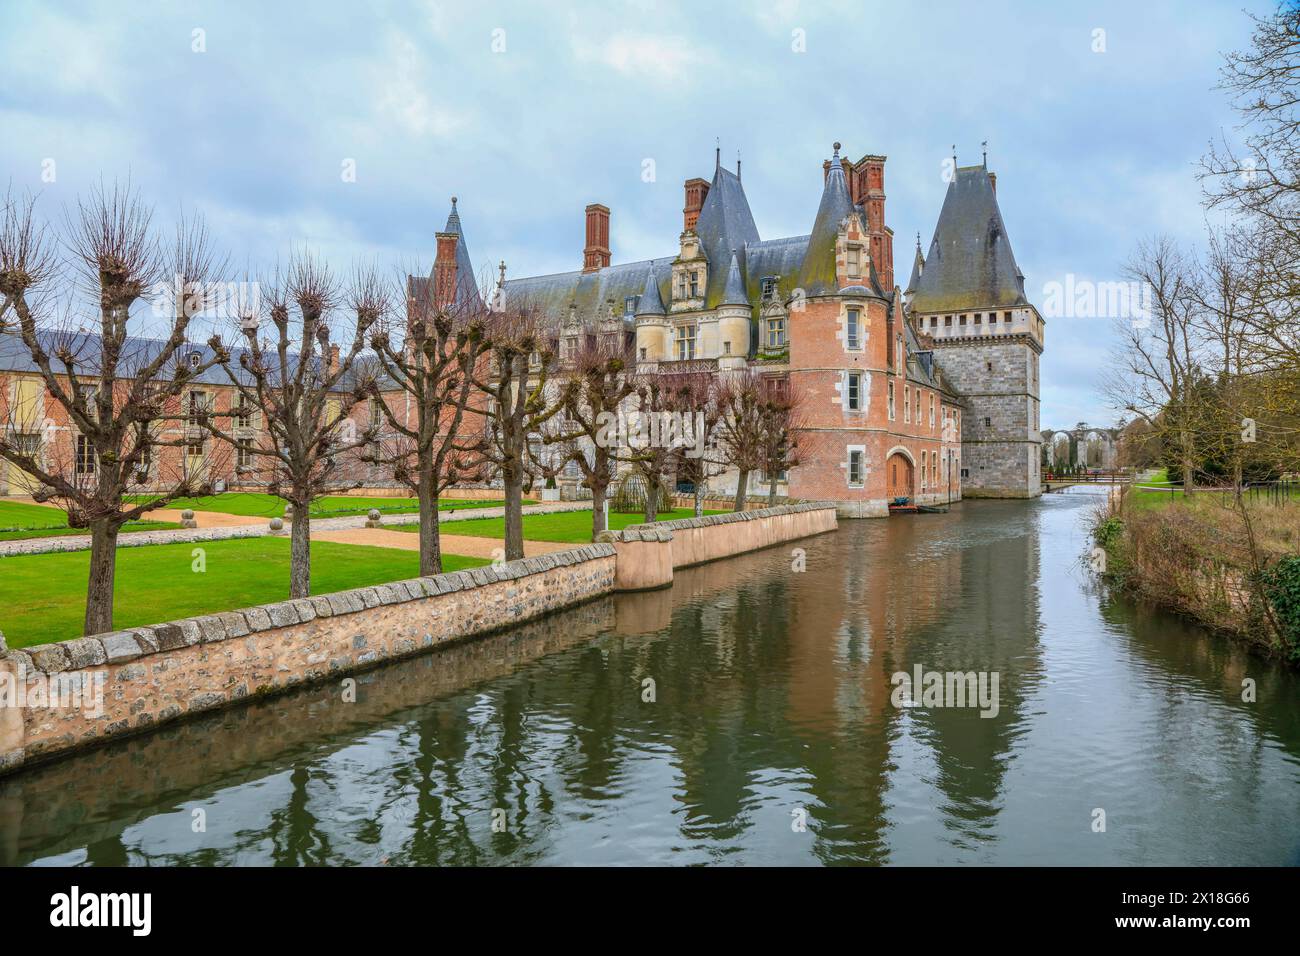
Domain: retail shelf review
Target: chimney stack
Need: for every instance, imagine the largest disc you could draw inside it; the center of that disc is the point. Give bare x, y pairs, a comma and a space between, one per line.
696, 191
993, 181
444, 270
596, 253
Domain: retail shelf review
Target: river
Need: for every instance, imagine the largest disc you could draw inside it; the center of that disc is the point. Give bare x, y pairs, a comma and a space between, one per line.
744, 716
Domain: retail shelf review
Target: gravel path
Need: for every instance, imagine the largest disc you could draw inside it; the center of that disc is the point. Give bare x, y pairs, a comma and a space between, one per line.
461, 544
132, 539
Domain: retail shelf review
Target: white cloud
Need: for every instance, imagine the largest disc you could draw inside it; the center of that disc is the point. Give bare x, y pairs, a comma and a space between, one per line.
663, 59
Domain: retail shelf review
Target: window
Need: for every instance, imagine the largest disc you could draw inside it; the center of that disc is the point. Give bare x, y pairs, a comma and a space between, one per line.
1006, 317
907, 404
630, 304
989, 366
695, 285
198, 408
776, 332
685, 343
855, 468
243, 458
979, 318
934, 321
932, 412
898, 354
769, 288
961, 320
243, 414
854, 261
85, 456
726, 348
853, 391
570, 347
988, 422
643, 354
947, 321
852, 329
195, 360
891, 401
195, 449
376, 412
925, 457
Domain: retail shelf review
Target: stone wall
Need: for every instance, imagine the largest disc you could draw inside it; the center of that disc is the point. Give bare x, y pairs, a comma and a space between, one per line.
648, 554
153, 675
1001, 443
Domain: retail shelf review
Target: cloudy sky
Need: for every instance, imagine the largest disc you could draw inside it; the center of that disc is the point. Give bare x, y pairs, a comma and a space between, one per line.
1095, 116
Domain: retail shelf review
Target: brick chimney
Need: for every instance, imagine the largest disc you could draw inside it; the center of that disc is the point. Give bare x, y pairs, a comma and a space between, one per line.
993, 181
332, 362
596, 254
697, 190
444, 270
867, 188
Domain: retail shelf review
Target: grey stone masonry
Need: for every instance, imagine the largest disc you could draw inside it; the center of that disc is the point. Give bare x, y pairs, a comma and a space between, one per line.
998, 382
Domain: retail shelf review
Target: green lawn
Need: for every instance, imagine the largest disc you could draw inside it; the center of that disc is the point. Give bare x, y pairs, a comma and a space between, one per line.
21, 520
332, 506
42, 596
562, 526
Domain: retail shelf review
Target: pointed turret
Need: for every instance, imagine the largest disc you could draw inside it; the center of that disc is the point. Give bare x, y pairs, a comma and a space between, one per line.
651, 302
918, 267
817, 274
725, 225
734, 291
466, 294
970, 264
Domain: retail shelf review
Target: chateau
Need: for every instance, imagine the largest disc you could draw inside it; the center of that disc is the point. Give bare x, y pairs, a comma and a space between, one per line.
928, 393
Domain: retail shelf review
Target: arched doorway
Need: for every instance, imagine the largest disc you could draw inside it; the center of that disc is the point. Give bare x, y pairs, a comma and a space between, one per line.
898, 475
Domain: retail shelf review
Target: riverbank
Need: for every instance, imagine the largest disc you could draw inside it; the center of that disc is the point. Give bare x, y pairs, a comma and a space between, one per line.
1232, 567
60, 697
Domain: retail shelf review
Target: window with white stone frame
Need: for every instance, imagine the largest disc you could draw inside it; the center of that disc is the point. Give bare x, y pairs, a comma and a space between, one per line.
907, 404
890, 401
776, 332
856, 466
925, 457
685, 342
853, 329
853, 397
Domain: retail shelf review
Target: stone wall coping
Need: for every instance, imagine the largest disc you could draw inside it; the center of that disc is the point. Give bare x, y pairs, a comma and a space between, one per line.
116, 647
709, 521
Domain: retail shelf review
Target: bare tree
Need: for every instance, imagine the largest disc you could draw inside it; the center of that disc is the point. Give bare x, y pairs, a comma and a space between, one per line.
594, 385
433, 368
743, 427
700, 458
113, 390
305, 389
781, 424
512, 375
657, 435
1158, 361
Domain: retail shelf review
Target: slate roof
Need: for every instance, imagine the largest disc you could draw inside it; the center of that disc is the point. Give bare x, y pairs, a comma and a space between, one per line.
970, 263
817, 272
138, 351
733, 292
589, 292
651, 303
725, 225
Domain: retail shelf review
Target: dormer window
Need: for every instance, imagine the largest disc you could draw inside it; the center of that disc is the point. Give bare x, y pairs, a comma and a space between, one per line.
769, 288
695, 285
196, 359
853, 264
630, 304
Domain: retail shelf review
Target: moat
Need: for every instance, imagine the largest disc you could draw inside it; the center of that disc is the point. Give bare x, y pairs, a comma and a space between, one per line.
772, 704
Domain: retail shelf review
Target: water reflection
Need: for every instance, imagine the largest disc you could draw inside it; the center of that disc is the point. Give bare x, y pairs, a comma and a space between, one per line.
771, 700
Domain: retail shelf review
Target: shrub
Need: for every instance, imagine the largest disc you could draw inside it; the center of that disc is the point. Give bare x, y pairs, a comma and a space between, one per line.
1281, 585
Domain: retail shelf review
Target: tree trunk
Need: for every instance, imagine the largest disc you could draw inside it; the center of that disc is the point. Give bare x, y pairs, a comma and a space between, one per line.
771, 492
430, 540
300, 553
599, 512
99, 586
652, 502
699, 499
514, 488
742, 485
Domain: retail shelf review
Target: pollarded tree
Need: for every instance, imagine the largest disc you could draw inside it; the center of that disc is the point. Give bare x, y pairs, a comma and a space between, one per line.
593, 386
781, 424
304, 387
432, 367
743, 428
511, 377
114, 390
